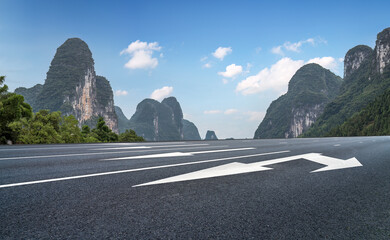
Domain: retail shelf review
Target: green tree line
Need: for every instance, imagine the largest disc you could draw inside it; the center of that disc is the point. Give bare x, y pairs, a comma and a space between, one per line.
18, 124
373, 120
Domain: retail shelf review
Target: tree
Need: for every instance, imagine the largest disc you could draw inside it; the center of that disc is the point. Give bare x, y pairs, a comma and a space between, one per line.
88, 136
130, 136
12, 108
70, 132
103, 132
43, 127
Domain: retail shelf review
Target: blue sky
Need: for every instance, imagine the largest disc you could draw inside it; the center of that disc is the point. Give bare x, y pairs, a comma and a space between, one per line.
171, 48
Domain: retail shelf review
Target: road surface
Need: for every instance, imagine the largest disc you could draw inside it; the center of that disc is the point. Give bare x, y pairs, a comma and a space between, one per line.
329, 188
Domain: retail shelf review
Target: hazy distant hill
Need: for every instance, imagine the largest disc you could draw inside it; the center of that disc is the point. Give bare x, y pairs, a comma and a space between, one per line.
157, 121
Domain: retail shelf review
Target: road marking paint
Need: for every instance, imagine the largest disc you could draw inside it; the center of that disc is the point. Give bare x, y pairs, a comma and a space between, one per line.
239, 168
337, 145
176, 154
135, 170
100, 153
164, 146
54, 147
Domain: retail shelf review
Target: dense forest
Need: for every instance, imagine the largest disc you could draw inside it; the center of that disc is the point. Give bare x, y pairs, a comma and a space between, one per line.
373, 120
18, 124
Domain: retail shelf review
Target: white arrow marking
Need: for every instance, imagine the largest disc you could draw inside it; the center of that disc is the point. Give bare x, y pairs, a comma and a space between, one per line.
134, 170
177, 154
239, 168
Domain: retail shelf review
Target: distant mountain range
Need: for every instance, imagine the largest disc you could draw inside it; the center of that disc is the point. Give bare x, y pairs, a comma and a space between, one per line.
318, 103
157, 121
72, 87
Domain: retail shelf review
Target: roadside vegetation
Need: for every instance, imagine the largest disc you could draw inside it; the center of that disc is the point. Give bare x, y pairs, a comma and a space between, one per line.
19, 124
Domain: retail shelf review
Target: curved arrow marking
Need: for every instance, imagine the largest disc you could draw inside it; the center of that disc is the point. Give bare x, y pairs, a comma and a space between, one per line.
239, 168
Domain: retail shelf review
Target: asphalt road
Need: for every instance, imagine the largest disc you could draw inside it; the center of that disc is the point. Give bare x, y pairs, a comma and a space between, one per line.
239, 189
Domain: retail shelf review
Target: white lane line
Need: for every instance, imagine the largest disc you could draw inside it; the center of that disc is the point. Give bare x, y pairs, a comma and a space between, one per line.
100, 153
90, 145
57, 147
134, 170
337, 145
163, 146
176, 154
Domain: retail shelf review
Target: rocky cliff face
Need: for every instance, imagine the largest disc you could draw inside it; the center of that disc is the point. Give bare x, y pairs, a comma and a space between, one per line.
382, 50
309, 90
368, 79
72, 87
354, 58
163, 121
210, 135
302, 119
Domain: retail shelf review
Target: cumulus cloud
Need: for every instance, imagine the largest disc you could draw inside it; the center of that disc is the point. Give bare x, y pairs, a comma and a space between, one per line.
231, 71
294, 47
255, 116
141, 55
275, 78
120, 93
278, 75
212, 111
326, 62
160, 94
221, 52
230, 111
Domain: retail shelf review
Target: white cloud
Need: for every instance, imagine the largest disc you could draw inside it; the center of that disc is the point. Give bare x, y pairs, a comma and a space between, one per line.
326, 62
121, 93
141, 55
275, 78
277, 50
212, 112
230, 111
221, 52
231, 71
255, 116
225, 81
278, 75
294, 47
207, 65
160, 94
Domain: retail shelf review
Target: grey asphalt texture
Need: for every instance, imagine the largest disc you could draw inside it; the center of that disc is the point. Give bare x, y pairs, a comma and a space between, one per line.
287, 202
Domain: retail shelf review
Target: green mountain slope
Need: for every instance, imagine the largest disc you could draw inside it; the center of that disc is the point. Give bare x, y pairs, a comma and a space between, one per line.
373, 120
309, 90
369, 80
72, 87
